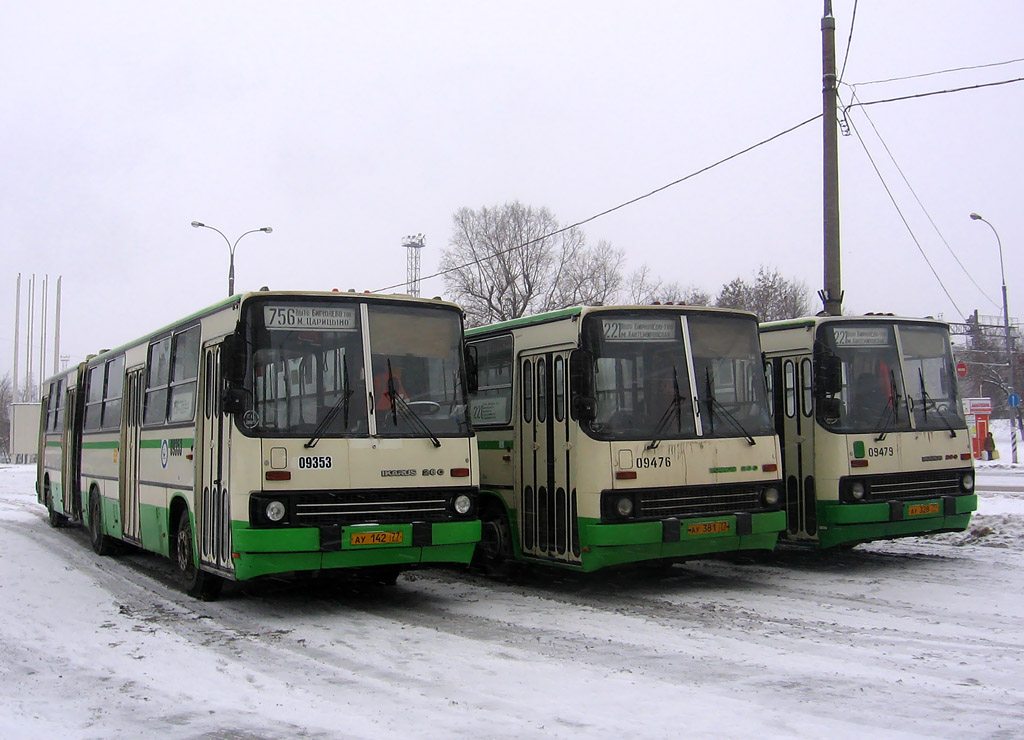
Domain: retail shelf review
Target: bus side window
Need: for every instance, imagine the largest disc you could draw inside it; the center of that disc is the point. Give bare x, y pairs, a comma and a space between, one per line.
789, 387
490, 403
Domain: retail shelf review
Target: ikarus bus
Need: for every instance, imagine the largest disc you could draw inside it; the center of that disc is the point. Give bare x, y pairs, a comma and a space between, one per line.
613, 435
874, 440
273, 433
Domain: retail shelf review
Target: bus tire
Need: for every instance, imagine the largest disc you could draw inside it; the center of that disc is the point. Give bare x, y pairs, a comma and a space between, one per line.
101, 544
195, 581
494, 555
56, 520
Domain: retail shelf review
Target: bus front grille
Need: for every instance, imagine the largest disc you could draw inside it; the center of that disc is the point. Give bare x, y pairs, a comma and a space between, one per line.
379, 507
909, 486
695, 501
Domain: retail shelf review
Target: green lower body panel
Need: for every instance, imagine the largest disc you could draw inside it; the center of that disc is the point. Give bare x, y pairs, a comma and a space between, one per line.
840, 524
260, 552
615, 544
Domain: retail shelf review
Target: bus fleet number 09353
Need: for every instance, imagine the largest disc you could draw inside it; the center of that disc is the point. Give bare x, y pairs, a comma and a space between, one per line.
314, 462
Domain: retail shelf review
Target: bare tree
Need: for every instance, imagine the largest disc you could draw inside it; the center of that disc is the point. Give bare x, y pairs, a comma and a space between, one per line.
643, 288
770, 296
513, 260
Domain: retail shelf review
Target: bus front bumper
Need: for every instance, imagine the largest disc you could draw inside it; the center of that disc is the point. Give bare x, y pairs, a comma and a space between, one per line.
614, 544
840, 523
259, 552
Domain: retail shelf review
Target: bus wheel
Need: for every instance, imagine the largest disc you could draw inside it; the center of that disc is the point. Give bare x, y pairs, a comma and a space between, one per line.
494, 551
56, 520
101, 543
196, 582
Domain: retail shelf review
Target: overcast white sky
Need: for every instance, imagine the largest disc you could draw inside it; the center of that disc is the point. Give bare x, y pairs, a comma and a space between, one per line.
346, 126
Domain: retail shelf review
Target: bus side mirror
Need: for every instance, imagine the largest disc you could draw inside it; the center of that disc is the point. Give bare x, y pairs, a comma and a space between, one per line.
232, 359
472, 371
233, 400
831, 409
830, 375
584, 408
581, 385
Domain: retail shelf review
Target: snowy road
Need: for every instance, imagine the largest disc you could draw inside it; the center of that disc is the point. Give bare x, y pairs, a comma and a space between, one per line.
919, 638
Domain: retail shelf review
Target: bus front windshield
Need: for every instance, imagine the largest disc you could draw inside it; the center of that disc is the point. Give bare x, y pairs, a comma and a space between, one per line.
662, 375
886, 377
313, 375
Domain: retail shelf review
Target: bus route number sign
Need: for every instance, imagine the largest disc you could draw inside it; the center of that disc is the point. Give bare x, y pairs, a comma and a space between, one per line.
303, 318
638, 330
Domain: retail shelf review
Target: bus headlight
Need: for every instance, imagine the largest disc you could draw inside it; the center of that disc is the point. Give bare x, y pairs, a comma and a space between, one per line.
857, 491
275, 511
771, 496
462, 504
967, 482
624, 506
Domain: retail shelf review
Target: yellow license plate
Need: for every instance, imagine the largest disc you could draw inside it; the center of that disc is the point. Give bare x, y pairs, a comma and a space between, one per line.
708, 528
923, 509
376, 538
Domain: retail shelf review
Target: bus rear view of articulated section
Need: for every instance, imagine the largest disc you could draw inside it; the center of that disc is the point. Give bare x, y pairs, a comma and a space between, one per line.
875, 443
613, 435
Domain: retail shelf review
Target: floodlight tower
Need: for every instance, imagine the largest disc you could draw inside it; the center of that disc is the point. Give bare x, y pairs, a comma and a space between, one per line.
413, 245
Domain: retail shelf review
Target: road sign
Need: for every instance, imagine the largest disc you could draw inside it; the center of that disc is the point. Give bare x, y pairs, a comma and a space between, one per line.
1014, 400
961, 369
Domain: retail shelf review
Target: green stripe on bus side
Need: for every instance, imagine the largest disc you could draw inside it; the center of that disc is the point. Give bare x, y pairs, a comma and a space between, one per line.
158, 443
108, 445
497, 444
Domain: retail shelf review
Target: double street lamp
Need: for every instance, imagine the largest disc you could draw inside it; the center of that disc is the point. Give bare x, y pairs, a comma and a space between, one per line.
231, 248
1006, 327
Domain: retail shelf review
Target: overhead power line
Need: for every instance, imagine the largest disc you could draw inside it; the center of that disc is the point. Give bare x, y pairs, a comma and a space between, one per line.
920, 204
903, 217
938, 72
690, 176
935, 92
849, 41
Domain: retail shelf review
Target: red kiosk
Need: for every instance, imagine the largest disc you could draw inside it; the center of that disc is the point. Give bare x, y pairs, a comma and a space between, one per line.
978, 411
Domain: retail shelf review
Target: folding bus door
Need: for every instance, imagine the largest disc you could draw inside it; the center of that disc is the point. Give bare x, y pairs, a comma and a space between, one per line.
548, 502
129, 472
213, 514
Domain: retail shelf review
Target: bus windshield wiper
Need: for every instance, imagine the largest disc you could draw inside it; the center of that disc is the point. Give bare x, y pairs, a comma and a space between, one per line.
674, 409
925, 400
340, 405
890, 415
714, 402
399, 404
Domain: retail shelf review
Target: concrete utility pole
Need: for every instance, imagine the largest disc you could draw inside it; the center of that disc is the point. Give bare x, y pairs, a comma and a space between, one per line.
832, 295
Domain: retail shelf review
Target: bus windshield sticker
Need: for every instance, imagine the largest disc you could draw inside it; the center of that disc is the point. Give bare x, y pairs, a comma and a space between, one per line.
638, 330
322, 318
862, 337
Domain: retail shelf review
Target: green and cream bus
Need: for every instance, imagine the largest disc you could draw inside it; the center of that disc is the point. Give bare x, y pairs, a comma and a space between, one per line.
272, 433
874, 441
613, 435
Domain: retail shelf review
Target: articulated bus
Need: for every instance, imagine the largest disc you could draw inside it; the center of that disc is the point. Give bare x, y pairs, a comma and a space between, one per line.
874, 441
613, 435
273, 433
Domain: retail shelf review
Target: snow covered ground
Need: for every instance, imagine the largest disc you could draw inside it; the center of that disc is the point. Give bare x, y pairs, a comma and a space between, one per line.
918, 638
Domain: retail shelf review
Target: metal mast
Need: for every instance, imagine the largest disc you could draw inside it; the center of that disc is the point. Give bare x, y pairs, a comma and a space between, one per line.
413, 245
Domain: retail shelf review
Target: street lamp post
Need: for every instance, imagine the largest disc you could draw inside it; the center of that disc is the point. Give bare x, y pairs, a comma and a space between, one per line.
231, 249
1006, 330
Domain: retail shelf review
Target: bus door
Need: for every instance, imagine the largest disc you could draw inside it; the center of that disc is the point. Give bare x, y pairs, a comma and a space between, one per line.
129, 492
213, 523
71, 459
547, 500
794, 422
